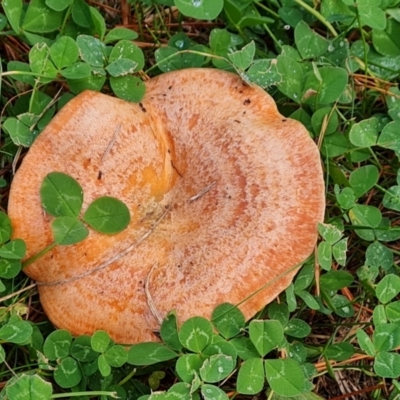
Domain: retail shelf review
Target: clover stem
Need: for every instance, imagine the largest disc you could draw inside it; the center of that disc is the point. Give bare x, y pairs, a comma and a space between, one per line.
276, 15
67, 15
41, 253
363, 38
276, 41
127, 378
113, 395
375, 158
383, 190
318, 16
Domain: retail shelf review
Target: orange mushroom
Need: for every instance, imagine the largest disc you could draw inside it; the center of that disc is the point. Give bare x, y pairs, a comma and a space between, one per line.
224, 193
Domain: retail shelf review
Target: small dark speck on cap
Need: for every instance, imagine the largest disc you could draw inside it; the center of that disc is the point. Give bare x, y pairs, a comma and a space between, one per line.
247, 102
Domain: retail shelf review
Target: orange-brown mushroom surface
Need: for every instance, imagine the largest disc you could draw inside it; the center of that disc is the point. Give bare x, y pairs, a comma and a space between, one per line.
224, 193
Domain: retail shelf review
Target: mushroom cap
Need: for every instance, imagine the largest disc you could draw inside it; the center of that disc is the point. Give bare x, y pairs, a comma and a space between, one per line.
224, 193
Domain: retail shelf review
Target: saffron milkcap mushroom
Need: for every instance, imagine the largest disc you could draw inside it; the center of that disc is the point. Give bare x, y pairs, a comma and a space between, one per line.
224, 194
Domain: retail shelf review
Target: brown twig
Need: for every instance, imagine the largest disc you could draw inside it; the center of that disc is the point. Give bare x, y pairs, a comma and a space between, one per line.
103, 6
366, 390
125, 12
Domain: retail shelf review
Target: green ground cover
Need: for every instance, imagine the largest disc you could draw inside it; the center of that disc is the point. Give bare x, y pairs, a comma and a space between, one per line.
334, 65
